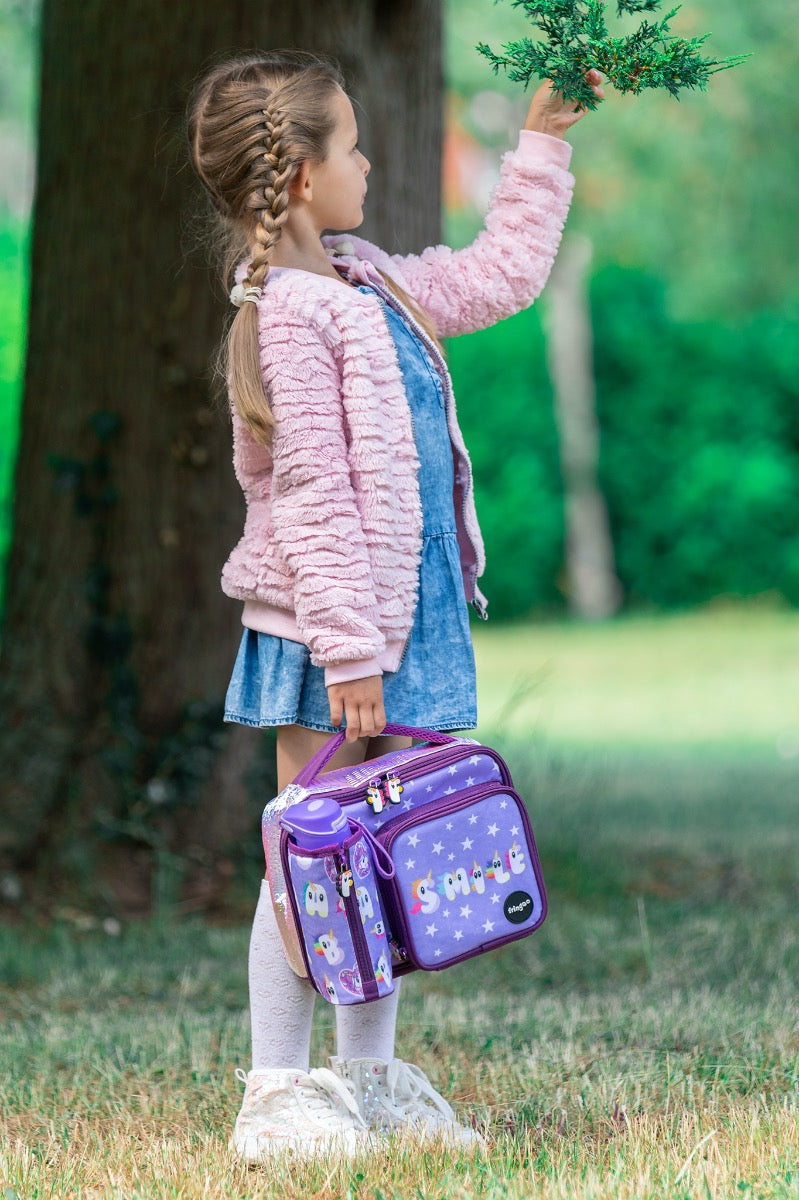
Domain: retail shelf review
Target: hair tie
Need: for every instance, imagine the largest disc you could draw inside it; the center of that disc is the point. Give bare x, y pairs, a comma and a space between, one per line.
241, 295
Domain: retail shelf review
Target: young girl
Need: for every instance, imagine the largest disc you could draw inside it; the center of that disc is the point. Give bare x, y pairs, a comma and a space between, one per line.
361, 548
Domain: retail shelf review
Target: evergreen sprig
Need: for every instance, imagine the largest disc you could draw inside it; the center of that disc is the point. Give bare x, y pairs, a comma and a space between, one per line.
576, 38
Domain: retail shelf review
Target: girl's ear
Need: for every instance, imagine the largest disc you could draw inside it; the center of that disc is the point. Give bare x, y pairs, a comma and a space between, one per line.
300, 185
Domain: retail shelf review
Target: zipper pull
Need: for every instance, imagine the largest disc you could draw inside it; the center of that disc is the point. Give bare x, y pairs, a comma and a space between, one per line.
398, 953
344, 880
479, 603
392, 788
374, 796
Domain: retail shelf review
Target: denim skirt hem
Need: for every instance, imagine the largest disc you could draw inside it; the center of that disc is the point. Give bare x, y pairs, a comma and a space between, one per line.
469, 722
275, 683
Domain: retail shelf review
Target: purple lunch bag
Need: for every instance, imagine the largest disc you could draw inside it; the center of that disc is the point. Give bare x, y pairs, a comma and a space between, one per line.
446, 852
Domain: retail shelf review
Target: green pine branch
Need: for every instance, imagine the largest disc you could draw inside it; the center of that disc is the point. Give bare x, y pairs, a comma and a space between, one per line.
575, 38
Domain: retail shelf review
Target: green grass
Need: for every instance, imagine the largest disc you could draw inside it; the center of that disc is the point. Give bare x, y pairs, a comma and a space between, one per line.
645, 1043
721, 678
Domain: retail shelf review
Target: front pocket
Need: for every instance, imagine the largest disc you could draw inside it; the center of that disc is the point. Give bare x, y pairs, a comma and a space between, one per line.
467, 876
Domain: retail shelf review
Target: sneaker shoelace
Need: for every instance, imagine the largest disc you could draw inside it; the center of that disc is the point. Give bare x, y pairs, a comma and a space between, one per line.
408, 1087
321, 1089
318, 1090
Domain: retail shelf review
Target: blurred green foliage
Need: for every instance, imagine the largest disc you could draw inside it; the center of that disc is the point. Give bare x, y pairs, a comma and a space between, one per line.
699, 460
504, 405
13, 297
700, 193
695, 302
18, 79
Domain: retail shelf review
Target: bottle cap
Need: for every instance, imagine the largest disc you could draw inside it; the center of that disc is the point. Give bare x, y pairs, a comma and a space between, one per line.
315, 823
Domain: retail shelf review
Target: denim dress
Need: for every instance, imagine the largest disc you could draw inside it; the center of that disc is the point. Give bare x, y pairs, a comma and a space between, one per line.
274, 681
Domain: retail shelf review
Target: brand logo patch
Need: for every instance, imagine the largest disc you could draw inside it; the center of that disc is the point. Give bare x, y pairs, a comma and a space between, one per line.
518, 907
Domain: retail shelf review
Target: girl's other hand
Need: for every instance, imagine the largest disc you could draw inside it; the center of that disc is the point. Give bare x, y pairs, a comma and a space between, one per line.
549, 113
361, 702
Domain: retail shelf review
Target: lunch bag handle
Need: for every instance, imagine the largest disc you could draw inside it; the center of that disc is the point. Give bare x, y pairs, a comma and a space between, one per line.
314, 766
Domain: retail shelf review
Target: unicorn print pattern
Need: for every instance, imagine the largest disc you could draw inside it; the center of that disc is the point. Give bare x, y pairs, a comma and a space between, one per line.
499, 896
315, 898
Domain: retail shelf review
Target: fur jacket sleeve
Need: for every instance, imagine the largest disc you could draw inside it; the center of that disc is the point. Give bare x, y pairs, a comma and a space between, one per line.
507, 265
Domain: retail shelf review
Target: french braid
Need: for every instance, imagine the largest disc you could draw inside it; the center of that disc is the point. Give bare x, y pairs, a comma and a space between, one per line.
252, 122
278, 173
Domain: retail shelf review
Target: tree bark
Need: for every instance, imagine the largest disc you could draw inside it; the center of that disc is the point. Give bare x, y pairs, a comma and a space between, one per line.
125, 503
594, 591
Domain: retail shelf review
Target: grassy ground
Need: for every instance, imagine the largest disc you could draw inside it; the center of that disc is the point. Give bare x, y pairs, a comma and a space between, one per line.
724, 676
645, 1043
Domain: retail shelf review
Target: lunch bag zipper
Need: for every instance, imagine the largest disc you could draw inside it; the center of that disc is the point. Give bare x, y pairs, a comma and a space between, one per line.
443, 806
448, 756
362, 956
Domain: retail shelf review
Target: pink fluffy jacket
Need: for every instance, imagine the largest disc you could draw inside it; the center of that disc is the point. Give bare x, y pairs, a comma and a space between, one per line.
333, 533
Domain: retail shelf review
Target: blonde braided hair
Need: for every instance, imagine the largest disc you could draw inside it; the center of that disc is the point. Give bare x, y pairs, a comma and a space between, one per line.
252, 122
272, 216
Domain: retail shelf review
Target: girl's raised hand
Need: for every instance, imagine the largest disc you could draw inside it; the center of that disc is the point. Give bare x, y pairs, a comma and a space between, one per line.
361, 702
549, 113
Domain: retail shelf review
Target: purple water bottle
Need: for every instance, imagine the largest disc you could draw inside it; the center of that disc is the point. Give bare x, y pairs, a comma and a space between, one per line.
312, 824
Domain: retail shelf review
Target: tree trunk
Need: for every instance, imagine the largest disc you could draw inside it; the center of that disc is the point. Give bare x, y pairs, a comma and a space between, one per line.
117, 639
594, 591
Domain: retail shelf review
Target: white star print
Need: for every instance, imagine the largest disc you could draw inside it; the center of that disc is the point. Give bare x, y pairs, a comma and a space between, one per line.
429, 788
378, 824
466, 843
449, 825
448, 791
470, 781
409, 864
492, 830
458, 935
406, 804
503, 804
438, 847
473, 819
446, 912
450, 857
514, 830
438, 953
466, 911
452, 770
413, 839
474, 759
488, 926
431, 930
495, 898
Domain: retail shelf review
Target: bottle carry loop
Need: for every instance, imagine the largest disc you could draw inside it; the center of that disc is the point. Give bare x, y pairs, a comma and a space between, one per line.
382, 858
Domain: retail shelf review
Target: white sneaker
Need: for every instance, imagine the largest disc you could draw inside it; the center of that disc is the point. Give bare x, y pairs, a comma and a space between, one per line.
397, 1095
313, 1112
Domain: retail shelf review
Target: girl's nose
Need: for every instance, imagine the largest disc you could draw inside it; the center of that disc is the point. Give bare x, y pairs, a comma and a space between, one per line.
366, 166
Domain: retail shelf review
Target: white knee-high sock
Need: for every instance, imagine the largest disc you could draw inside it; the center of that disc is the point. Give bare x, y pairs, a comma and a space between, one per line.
367, 1030
281, 1004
